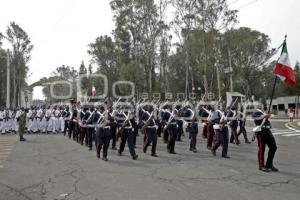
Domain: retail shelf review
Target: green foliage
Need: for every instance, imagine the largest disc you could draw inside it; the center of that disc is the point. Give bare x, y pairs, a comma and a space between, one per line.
19, 58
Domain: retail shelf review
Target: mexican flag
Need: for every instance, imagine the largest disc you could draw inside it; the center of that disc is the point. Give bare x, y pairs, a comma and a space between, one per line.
283, 68
93, 91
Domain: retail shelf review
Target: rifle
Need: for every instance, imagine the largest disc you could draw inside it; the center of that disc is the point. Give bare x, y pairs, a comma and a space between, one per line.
147, 122
42, 115
224, 121
168, 123
258, 129
102, 122
124, 123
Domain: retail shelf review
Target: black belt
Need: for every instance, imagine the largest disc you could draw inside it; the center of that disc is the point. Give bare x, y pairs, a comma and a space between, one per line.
266, 127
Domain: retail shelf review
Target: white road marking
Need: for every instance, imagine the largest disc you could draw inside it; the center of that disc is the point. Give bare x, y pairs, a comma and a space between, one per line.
289, 135
281, 133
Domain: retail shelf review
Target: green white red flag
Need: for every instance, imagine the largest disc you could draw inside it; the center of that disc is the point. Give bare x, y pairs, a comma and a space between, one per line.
283, 68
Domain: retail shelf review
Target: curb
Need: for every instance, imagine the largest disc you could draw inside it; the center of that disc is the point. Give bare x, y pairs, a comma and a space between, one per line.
289, 126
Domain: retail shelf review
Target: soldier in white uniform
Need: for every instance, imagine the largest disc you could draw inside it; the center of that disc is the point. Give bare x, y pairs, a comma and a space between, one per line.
13, 121
35, 121
43, 119
48, 119
39, 119
5, 124
29, 120
61, 120
56, 120
18, 114
51, 127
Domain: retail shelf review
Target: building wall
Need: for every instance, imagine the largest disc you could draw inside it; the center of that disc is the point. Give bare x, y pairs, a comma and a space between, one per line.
282, 103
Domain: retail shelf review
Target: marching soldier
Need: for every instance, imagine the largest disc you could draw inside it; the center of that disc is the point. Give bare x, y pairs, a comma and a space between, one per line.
135, 127
127, 134
91, 129
172, 129
66, 116
204, 113
264, 137
103, 134
73, 121
150, 130
221, 132
113, 127
85, 114
242, 123
233, 123
193, 131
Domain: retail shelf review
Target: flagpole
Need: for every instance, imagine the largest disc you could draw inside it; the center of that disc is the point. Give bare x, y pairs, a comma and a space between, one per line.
275, 81
273, 90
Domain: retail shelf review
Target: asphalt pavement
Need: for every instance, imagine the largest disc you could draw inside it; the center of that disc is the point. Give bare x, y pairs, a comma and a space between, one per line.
54, 167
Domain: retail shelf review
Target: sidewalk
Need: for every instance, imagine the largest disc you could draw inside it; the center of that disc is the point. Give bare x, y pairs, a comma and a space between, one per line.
294, 125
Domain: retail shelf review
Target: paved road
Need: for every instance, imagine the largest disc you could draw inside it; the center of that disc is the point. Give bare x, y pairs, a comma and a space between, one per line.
54, 167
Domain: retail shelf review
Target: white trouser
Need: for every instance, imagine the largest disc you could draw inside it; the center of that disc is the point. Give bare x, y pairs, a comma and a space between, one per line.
51, 125
34, 126
5, 126
43, 125
57, 124
14, 125
62, 124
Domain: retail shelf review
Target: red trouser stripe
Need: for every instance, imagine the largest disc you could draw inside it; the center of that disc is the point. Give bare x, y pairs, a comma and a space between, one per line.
261, 161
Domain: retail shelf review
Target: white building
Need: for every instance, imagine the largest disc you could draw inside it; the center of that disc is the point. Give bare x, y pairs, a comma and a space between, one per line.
283, 103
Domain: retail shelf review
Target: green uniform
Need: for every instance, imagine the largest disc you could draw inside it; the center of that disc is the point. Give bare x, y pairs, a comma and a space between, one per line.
22, 124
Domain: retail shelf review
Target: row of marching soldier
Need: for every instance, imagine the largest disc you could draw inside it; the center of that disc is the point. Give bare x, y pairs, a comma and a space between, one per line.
104, 123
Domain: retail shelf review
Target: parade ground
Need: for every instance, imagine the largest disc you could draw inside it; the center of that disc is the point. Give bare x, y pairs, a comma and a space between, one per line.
54, 167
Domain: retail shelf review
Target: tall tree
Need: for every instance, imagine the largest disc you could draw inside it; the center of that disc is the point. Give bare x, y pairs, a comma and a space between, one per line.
21, 49
136, 35
103, 53
250, 51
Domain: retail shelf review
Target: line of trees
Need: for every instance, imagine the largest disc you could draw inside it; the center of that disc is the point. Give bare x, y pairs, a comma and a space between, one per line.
19, 55
165, 46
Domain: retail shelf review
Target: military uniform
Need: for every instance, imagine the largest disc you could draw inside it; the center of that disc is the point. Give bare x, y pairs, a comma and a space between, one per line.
232, 114
73, 119
193, 132
242, 123
172, 129
151, 135
221, 133
113, 127
204, 114
22, 125
127, 134
264, 137
90, 130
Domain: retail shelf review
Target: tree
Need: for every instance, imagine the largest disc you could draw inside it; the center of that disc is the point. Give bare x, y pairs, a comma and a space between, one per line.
203, 19
136, 35
250, 52
103, 54
63, 74
21, 49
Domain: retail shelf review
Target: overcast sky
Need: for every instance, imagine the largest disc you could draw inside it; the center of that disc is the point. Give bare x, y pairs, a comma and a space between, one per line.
60, 30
